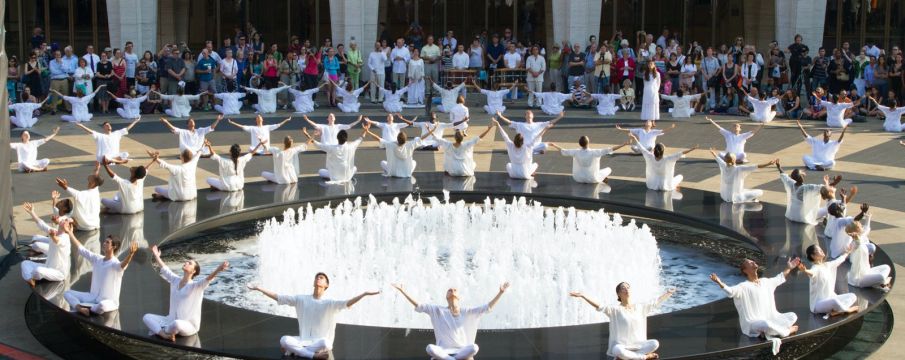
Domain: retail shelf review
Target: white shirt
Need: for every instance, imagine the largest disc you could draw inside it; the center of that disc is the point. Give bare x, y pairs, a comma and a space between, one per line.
131, 62
432, 139
389, 131
232, 174
108, 144
458, 113
606, 103
106, 276
80, 106
732, 180
328, 132
761, 108
399, 158
823, 283
317, 317
303, 102
835, 113
521, 158
376, 61
495, 98
628, 327
448, 96
192, 140
185, 302
893, 121
756, 302
552, 101
260, 132
530, 130
458, 161
460, 60
231, 104
180, 105
25, 113
58, 254
823, 152
536, 63
182, 179
93, 64
86, 208
340, 160
454, 332
399, 64
132, 106
647, 138
735, 143
131, 195
349, 98
27, 153
681, 105
660, 174
229, 69
803, 203
512, 60
284, 170
586, 164
267, 99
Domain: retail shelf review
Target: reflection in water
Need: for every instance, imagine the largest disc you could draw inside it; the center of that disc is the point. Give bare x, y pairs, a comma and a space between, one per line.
53, 292
282, 192
341, 189
590, 190
661, 199
180, 213
458, 183
81, 266
733, 215
521, 185
394, 184
798, 237
109, 319
191, 341
230, 201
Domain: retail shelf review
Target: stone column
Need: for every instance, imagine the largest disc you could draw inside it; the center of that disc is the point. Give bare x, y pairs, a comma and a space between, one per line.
574, 20
358, 19
135, 21
7, 228
805, 17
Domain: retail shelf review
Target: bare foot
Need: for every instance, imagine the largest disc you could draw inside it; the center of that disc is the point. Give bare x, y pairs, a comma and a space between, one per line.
322, 355
653, 356
166, 336
31, 282
84, 311
854, 309
793, 329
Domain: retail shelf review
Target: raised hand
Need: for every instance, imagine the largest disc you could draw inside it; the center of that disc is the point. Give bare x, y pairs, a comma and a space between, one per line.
223, 266
715, 278
28, 206
251, 286
397, 286
62, 183
369, 293
577, 294
504, 287
155, 251
865, 208
794, 262
133, 248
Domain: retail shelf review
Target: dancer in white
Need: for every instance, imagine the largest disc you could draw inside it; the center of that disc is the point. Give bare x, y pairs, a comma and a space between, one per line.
56, 267
458, 156
392, 102
389, 130
180, 104
735, 140
762, 107
415, 74
861, 274
835, 112
650, 102
459, 115
892, 115
521, 156
131, 105
455, 328
754, 300
329, 130
494, 98
822, 288
340, 157
25, 113
186, 295
192, 138
586, 162
628, 324
303, 101
823, 152
108, 142
130, 197
284, 163
448, 96
399, 162
681, 104
647, 135
231, 169
230, 103
86, 203
431, 142
802, 200
267, 98
836, 225
551, 101
80, 112
62, 210
259, 133
316, 316
106, 276
606, 103
181, 183
350, 102
732, 178
27, 152
660, 169
531, 130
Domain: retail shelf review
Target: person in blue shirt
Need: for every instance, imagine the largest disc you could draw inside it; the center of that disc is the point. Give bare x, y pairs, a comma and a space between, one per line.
59, 81
205, 72
495, 53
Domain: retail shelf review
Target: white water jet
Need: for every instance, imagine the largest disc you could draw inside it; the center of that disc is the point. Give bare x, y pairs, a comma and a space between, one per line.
544, 252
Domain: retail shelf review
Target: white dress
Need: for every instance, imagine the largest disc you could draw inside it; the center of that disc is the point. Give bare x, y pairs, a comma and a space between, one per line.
802, 203
317, 323
628, 331
232, 174
25, 114
184, 317
259, 132
660, 173
448, 97
551, 102
231, 104
131, 107
735, 143
267, 99
892, 122
521, 159
822, 296
650, 103
606, 103
303, 101
648, 139
340, 161
495, 100
681, 105
756, 307
392, 100
586, 164
530, 131
80, 112
284, 162
181, 183
458, 160
350, 102
399, 162
835, 114
180, 105
415, 96
106, 282
762, 109
27, 155
455, 335
431, 140
732, 183
822, 153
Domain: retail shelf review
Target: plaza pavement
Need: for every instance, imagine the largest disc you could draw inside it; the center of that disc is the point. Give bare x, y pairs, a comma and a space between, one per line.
869, 158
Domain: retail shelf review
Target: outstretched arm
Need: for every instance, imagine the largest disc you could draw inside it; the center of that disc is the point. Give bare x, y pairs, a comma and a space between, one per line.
843, 133
407, 297
131, 125
693, 148
407, 121
555, 146
219, 269
759, 128
233, 123
488, 129
107, 167
360, 118
53, 134
168, 124
217, 121
132, 250
562, 114
85, 128
358, 298
673, 126
284, 121
312, 123
500, 116
620, 128
496, 298
585, 298
713, 122
264, 291
666, 295
769, 163
791, 264
804, 133
156, 253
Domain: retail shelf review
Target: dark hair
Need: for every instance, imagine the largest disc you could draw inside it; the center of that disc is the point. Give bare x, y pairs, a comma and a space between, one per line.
342, 136
836, 209
96, 179
659, 149
64, 206
325, 277
619, 286
197, 268
583, 141
796, 175
811, 251
140, 172
117, 242
401, 138
518, 140
234, 152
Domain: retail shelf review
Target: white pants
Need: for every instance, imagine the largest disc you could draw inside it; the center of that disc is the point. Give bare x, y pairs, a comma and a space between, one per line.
324, 173
812, 163
772, 329
163, 191
70, 118
876, 276
465, 352
348, 108
35, 271
838, 303
764, 119
37, 165
126, 114
23, 123
170, 113
258, 110
534, 85
269, 176
295, 346
155, 323
74, 298
379, 78
740, 157
520, 172
217, 183
415, 94
492, 110
40, 243
540, 148
399, 79
386, 170
635, 352
747, 195
637, 149
222, 110
121, 156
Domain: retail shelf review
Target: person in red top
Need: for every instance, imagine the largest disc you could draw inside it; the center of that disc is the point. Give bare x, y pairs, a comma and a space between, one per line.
312, 62
270, 72
625, 67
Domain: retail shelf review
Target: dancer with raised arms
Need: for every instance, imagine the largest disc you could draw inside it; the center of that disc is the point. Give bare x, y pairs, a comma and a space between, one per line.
340, 157
131, 106
392, 102
329, 130
606, 103
892, 115
181, 183
681, 104
25, 113
130, 197
267, 98
762, 108
399, 162
647, 135
530, 129
586, 161
822, 297
259, 133
861, 274
192, 138
180, 103
835, 111
56, 267
735, 140
802, 200
823, 151
836, 226
458, 156
285, 162
732, 178
551, 101
494, 98
521, 154
390, 129
448, 96
659, 168
106, 276
431, 142
86, 203
303, 100
108, 142
350, 102
650, 102
79, 102
27, 152
230, 103
231, 169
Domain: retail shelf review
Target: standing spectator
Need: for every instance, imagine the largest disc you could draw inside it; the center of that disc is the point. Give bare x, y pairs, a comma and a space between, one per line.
536, 67
554, 60
12, 79
749, 72
204, 71
83, 76
375, 66
710, 71
353, 64
508, 38
32, 76
72, 61
229, 70
431, 55
450, 40
513, 60
589, 66
289, 70
476, 55
673, 69
331, 71
37, 38
104, 76
91, 58
275, 51
859, 63
881, 75
270, 71
576, 64
602, 68
343, 63
388, 64
819, 69
400, 57
175, 69
625, 68
312, 62
131, 62
662, 41
415, 75
460, 59
895, 73
243, 46
191, 86
495, 53
797, 51
686, 77
241, 62
294, 45
257, 45
776, 67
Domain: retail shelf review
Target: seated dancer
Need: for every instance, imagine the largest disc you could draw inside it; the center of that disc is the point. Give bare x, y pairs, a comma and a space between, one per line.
762, 107
328, 131
646, 135
822, 288
259, 133
754, 300
586, 162
681, 103
458, 156
628, 324
284, 163
303, 101
106, 276
892, 115
230, 103
267, 98
130, 197
180, 104
732, 178
823, 152
828, 194
836, 224
606, 103
181, 183
389, 129
25, 113
79, 102
27, 152
316, 316
521, 156
530, 129
56, 267
802, 200
835, 112
448, 96
392, 102
350, 102
186, 295
551, 101
494, 98
86, 203
660, 169
108, 142
455, 328
231, 169
62, 210
431, 142
399, 162
860, 274
735, 140
340, 157
459, 115
131, 106
192, 138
